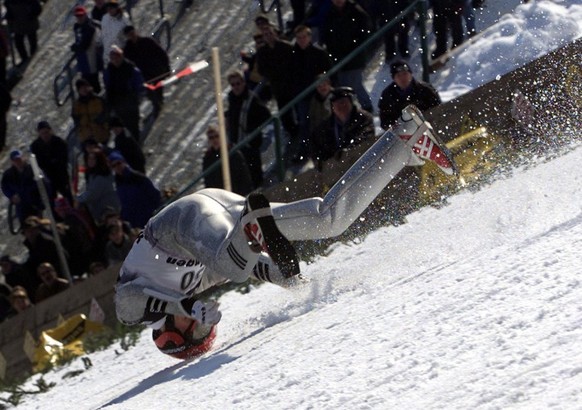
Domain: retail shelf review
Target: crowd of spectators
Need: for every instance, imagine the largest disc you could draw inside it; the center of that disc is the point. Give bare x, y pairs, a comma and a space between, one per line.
98, 222
97, 212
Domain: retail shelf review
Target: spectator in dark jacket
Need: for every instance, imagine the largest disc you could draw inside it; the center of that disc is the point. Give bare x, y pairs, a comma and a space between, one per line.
17, 274
447, 14
99, 9
246, 112
383, 13
51, 283
308, 62
4, 53
5, 307
138, 196
151, 59
346, 27
240, 175
403, 91
5, 101
86, 48
19, 186
22, 17
79, 236
347, 127
124, 85
275, 62
52, 154
40, 243
127, 146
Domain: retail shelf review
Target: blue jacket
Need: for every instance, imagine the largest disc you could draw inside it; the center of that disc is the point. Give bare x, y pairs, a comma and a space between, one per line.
138, 196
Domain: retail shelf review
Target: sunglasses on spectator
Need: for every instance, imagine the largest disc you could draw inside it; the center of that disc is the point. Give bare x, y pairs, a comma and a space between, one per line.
236, 83
212, 136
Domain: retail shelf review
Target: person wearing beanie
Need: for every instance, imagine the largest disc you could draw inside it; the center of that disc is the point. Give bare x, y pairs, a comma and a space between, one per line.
404, 90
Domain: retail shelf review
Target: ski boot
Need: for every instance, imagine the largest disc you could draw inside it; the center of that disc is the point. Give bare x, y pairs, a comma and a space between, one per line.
424, 141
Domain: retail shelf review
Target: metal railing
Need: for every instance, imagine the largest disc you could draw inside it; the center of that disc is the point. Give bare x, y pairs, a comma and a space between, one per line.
418, 5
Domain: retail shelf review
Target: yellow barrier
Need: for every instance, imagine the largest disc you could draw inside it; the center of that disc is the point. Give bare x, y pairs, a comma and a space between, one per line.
63, 341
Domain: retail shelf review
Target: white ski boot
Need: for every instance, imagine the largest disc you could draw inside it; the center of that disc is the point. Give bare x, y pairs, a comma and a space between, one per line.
424, 142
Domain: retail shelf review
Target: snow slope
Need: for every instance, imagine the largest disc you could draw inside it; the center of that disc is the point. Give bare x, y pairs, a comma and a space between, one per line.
474, 305
477, 304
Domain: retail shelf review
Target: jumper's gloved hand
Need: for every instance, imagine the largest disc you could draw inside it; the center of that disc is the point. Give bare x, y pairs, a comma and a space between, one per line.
204, 313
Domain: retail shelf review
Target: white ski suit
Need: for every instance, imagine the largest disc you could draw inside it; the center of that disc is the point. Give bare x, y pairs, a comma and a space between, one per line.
198, 241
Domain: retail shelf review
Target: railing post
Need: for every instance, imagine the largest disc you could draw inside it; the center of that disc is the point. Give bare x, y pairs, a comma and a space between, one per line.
424, 51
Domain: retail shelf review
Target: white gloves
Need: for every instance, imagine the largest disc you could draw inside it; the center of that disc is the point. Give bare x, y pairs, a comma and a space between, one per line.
205, 313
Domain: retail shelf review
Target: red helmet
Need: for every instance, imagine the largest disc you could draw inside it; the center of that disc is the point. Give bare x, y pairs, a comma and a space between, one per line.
182, 344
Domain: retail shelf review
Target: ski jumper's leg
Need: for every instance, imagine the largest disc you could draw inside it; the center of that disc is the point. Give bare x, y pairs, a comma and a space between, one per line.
206, 225
317, 218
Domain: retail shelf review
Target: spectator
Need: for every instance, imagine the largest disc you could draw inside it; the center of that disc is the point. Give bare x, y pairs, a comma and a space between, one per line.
403, 91
90, 114
19, 186
118, 245
86, 47
347, 127
299, 8
308, 62
111, 217
246, 113
19, 301
51, 283
447, 14
5, 307
5, 102
78, 237
255, 81
4, 52
138, 196
151, 59
385, 12
316, 19
320, 105
127, 146
99, 194
240, 175
112, 24
22, 17
52, 154
124, 86
275, 62
346, 27
40, 243
16, 274
99, 10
